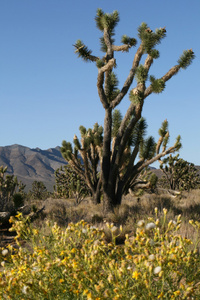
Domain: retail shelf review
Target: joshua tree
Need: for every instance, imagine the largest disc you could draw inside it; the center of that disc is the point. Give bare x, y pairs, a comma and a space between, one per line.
86, 156
38, 191
10, 189
114, 181
179, 174
70, 184
60, 188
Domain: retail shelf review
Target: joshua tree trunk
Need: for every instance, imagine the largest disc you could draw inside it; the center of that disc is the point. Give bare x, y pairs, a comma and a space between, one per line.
96, 195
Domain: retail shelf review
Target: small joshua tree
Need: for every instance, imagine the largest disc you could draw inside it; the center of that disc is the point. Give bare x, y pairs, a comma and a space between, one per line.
86, 157
179, 174
70, 184
61, 180
38, 190
113, 180
10, 189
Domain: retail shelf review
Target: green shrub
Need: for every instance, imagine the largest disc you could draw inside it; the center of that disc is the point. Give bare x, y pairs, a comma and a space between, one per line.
18, 200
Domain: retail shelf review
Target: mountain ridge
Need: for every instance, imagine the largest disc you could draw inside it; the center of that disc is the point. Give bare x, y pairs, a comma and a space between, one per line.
30, 164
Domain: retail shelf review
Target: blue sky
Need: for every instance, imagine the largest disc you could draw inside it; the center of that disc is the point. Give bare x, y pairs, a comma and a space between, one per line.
46, 92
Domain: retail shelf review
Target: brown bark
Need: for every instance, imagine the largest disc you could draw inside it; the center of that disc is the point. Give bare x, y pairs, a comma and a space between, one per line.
106, 148
130, 77
121, 48
100, 82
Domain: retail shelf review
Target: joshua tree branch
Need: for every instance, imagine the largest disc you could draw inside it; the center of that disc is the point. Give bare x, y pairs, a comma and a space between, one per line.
157, 157
90, 57
100, 81
148, 62
108, 43
174, 70
123, 48
130, 77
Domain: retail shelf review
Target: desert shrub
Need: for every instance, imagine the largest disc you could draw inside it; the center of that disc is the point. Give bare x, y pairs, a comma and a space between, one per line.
76, 263
18, 200
119, 215
58, 213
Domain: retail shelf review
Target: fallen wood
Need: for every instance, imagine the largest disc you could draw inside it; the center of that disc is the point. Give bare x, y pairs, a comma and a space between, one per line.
25, 210
34, 215
171, 192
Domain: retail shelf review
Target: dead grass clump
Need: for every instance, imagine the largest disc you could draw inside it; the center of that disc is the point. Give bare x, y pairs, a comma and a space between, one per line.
189, 204
119, 215
192, 196
58, 213
88, 210
96, 219
145, 205
64, 211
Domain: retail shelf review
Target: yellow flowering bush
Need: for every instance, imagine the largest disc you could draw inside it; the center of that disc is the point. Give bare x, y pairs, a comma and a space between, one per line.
77, 263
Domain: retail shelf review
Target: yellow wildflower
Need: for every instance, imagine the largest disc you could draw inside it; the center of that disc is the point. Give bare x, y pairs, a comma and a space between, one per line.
18, 215
97, 287
177, 293
161, 295
89, 296
85, 292
135, 275
110, 278
35, 231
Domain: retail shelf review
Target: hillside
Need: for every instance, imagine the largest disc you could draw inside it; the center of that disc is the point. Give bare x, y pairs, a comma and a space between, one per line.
32, 164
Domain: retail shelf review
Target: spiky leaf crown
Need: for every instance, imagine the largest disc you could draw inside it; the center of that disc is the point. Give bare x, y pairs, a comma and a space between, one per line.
186, 58
149, 38
112, 84
147, 148
141, 74
128, 41
157, 85
138, 132
163, 129
116, 122
136, 96
108, 21
82, 130
100, 63
82, 51
178, 144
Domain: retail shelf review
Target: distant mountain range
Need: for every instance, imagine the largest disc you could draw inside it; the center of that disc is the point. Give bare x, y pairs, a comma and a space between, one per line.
36, 164
32, 164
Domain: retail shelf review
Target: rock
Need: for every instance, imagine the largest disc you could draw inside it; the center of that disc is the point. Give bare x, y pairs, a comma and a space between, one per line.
4, 216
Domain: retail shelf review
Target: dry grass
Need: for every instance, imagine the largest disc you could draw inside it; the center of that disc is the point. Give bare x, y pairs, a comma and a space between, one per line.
132, 209
64, 211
